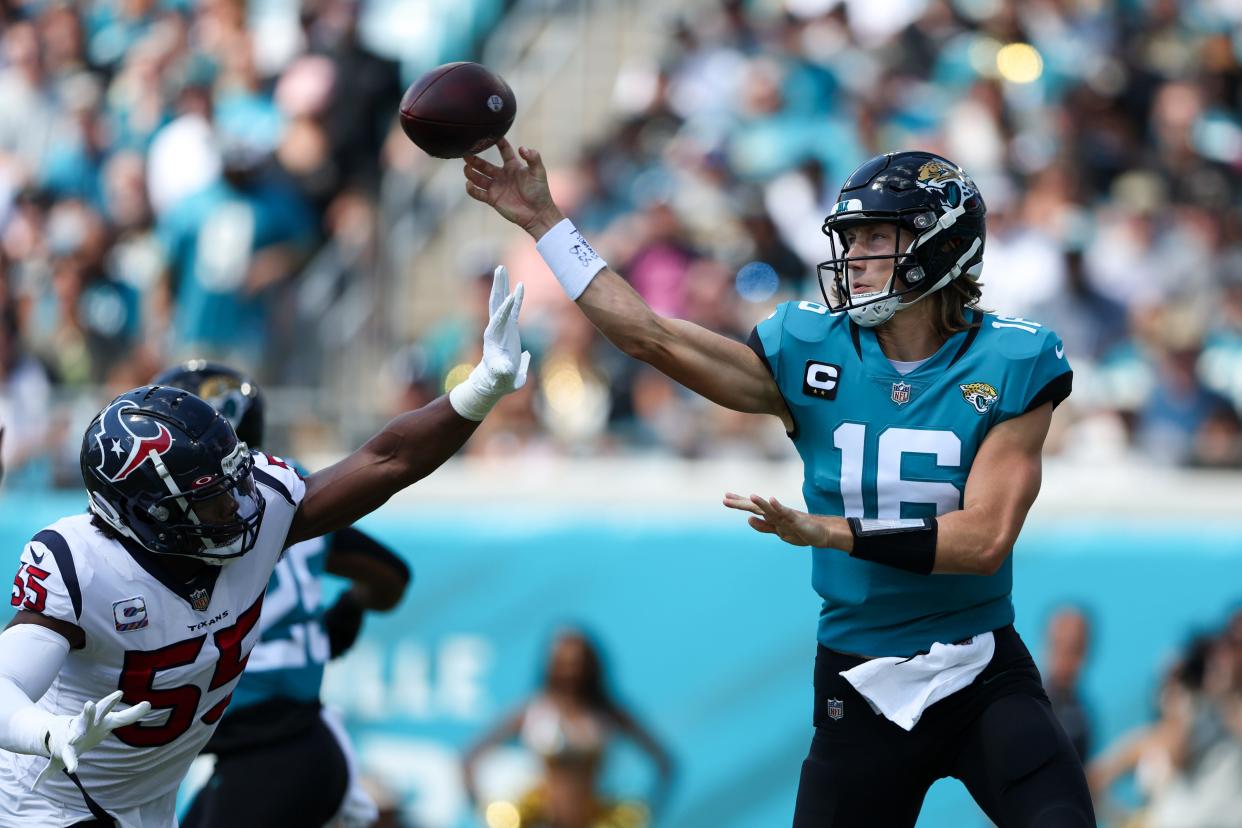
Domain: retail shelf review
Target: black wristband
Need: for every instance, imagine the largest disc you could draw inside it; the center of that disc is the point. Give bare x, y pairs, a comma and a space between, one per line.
903, 544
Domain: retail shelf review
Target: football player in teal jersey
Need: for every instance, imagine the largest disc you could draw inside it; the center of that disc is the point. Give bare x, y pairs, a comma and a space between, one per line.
920, 420
280, 758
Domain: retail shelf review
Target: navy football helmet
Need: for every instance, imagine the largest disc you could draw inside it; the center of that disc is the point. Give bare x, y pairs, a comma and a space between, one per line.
226, 390
934, 201
165, 470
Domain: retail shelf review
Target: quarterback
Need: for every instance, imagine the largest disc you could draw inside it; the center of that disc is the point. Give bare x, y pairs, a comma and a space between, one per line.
920, 421
135, 619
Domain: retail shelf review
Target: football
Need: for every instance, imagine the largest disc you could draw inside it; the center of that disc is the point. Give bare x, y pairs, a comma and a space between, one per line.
457, 109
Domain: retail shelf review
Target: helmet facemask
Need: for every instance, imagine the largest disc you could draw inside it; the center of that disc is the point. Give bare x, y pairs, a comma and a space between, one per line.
218, 518
876, 307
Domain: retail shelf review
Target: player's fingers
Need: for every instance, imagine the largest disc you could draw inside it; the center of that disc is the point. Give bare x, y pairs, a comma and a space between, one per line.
127, 717
506, 152
519, 294
105, 705
533, 161
519, 379
87, 719
500, 288
70, 757
741, 504
477, 193
478, 179
761, 525
501, 317
482, 166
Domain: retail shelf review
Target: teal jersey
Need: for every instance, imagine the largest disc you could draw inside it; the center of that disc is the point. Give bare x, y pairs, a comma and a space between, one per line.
289, 659
876, 444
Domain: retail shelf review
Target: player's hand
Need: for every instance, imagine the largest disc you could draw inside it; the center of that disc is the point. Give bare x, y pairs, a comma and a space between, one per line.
502, 342
504, 364
518, 191
774, 518
71, 736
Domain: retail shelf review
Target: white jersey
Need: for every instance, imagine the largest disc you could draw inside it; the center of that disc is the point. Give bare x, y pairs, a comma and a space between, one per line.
181, 647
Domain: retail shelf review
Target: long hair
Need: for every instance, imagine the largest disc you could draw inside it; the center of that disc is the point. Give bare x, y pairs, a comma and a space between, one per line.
952, 302
593, 690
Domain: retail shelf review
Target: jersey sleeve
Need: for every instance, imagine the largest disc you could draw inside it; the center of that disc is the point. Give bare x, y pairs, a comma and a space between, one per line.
281, 476
47, 579
767, 337
1041, 375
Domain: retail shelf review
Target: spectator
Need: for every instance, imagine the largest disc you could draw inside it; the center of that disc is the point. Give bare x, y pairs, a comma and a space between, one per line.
569, 724
1067, 639
229, 247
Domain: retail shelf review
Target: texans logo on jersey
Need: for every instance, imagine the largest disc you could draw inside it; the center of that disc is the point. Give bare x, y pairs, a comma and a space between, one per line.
123, 449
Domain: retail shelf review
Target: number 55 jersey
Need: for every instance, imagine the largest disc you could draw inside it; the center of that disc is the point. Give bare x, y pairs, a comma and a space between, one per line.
877, 443
180, 646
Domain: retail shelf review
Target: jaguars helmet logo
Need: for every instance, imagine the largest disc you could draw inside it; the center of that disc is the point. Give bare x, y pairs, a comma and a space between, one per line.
980, 396
947, 180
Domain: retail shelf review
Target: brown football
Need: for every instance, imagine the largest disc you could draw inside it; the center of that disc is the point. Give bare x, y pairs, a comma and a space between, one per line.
457, 109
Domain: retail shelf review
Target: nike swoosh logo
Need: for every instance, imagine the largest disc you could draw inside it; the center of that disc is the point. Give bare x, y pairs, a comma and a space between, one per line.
1060, 352
37, 557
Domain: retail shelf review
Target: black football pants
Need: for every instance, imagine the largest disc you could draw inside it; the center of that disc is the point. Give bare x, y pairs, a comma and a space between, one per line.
998, 736
298, 782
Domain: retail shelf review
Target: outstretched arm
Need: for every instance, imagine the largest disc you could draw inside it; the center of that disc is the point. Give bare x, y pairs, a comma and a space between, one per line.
974, 540
725, 371
418, 442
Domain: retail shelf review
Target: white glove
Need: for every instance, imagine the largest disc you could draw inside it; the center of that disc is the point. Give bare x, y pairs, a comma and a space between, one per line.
68, 737
503, 367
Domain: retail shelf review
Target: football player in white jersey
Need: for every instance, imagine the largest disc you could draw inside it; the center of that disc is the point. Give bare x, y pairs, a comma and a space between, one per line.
135, 619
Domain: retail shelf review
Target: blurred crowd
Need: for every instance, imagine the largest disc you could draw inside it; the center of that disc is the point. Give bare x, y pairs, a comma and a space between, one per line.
179, 178
1182, 768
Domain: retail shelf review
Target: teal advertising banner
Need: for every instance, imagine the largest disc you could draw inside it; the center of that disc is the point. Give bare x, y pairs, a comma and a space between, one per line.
708, 630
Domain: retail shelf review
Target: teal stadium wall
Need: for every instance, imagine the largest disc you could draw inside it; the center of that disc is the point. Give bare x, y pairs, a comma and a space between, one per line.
708, 630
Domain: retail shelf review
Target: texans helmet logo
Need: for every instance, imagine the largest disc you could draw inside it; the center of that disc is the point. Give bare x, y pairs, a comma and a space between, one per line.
122, 448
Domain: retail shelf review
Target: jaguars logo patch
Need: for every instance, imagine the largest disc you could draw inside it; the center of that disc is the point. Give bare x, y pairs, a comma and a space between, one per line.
980, 396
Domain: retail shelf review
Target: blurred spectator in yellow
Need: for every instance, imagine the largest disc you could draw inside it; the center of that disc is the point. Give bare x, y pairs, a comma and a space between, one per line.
569, 724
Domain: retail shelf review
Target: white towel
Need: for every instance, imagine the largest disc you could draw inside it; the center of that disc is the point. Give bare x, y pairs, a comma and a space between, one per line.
901, 689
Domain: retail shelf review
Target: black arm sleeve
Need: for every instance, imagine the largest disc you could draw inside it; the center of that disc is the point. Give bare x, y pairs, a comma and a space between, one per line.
351, 541
342, 622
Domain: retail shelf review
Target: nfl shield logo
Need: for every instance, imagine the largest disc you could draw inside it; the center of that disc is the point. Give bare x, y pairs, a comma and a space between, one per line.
901, 393
199, 599
836, 709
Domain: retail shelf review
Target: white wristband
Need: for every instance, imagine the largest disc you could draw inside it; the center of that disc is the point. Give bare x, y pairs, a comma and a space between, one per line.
476, 395
570, 257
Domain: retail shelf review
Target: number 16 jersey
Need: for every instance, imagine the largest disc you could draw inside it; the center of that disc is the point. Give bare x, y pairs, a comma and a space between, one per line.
180, 646
879, 444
